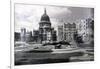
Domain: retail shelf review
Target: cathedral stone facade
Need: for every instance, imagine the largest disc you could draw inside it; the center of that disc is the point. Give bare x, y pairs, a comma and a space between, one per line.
46, 32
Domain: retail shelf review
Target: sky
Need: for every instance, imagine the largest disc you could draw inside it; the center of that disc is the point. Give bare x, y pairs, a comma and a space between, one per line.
28, 16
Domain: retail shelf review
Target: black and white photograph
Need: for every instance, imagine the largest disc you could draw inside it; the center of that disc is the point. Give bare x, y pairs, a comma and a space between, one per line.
52, 34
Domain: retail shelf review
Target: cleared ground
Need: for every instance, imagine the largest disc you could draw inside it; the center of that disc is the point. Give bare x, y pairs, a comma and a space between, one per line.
24, 56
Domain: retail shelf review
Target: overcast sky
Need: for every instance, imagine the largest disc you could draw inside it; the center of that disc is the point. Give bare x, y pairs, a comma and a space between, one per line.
28, 16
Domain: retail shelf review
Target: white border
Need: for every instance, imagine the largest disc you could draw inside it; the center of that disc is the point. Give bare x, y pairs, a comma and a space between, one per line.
73, 3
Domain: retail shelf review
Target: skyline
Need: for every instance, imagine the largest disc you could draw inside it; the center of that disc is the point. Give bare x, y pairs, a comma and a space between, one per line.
28, 16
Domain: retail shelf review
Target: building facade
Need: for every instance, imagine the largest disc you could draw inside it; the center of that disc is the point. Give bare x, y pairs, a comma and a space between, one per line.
29, 36
17, 36
66, 32
84, 27
23, 34
35, 36
46, 32
69, 31
60, 33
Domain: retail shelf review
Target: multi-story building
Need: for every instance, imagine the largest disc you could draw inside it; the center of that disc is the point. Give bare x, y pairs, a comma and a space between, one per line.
54, 36
84, 29
69, 31
66, 32
36, 36
23, 34
60, 33
28, 36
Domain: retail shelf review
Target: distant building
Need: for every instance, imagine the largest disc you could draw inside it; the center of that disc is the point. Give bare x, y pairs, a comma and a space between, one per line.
69, 31
66, 32
54, 36
23, 34
46, 32
29, 36
26, 36
84, 28
36, 36
17, 36
60, 33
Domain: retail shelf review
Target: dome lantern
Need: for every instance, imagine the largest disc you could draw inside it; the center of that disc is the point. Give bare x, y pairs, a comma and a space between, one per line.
45, 17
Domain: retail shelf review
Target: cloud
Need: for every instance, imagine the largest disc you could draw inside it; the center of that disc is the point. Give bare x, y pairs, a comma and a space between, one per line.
58, 11
28, 16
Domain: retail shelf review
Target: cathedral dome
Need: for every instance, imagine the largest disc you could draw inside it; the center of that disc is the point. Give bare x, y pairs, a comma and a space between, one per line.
45, 17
